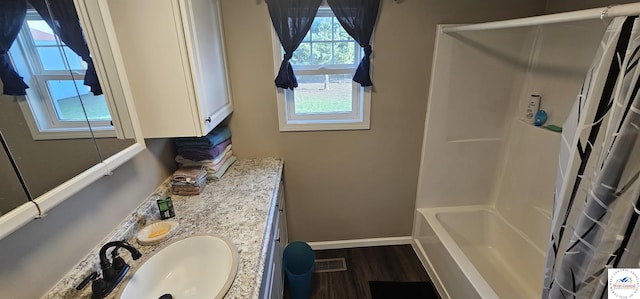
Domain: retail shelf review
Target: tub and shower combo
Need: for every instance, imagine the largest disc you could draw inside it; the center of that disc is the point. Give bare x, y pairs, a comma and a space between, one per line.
487, 177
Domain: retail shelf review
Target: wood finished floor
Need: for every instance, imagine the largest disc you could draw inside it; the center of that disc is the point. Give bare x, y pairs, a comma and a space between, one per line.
385, 263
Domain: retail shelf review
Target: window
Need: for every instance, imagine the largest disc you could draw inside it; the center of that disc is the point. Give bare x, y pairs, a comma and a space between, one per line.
324, 64
55, 75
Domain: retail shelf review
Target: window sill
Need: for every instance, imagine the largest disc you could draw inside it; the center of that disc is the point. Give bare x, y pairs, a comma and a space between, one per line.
67, 133
318, 125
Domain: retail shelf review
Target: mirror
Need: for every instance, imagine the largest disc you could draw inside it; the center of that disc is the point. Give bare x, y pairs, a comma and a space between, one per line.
12, 194
84, 136
42, 164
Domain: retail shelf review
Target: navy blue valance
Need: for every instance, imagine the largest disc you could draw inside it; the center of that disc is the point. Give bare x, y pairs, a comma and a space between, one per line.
12, 14
358, 18
291, 20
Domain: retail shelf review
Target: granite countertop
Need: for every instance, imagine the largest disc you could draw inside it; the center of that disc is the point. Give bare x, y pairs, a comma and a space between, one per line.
239, 207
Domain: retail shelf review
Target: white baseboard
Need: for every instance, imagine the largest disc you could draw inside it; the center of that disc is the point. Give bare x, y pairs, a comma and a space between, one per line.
360, 243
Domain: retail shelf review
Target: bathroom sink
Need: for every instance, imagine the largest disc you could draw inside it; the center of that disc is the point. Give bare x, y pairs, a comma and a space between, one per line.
202, 266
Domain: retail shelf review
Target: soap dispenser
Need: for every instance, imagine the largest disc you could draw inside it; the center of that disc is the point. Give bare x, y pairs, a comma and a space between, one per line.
533, 105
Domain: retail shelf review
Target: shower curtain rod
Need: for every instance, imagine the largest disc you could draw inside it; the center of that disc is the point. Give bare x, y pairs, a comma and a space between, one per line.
578, 15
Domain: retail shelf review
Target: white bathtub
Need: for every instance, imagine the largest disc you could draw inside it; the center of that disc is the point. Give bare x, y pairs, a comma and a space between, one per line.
473, 252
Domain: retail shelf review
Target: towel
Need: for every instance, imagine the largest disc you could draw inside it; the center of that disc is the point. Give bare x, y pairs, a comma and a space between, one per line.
186, 193
223, 155
215, 137
218, 175
209, 165
199, 154
199, 182
187, 190
191, 175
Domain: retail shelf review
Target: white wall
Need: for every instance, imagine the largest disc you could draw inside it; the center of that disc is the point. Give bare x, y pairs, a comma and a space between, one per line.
39, 254
524, 188
477, 151
476, 79
561, 57
525, 184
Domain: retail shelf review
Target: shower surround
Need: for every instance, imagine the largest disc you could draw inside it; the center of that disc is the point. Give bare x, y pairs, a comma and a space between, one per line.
486, 186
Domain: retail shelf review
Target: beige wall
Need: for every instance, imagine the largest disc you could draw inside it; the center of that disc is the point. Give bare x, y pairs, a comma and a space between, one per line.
554, 6
11, 193
40, 253
33, 157
349, 184
45, 164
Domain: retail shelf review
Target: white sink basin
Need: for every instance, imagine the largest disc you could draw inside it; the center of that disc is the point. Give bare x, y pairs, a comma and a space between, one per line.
202, 266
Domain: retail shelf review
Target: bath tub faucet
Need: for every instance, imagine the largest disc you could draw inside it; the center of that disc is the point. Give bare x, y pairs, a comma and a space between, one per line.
112, 271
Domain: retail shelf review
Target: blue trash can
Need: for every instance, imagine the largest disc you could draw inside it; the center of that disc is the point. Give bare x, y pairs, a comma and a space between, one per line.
298, 259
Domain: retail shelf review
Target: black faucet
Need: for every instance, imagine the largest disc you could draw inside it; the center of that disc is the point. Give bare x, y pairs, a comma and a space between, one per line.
112, 271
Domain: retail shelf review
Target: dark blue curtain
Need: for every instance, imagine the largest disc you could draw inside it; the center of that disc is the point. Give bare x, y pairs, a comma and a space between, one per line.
358, 17
12, 14
292, 20
67, 26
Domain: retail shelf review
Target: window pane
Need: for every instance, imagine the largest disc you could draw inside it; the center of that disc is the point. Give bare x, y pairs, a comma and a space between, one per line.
51, 58
321, 53
338, 31
68, 106
47, 46
344, 53
41, 33
323, 94
302, 54
321, 29
75, 62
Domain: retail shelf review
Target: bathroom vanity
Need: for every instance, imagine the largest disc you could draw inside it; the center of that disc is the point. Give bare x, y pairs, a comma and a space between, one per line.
246, 206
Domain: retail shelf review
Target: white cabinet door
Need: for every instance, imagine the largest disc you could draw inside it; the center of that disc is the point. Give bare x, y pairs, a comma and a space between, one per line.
281, 243
268, 279
173, 52
273, 277
278, 279
204, 40
284, 235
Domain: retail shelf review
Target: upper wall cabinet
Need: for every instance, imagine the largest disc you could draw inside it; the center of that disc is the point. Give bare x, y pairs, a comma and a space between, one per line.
174, 56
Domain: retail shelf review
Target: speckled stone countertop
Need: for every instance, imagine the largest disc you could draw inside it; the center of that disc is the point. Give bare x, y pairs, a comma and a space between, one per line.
239, 207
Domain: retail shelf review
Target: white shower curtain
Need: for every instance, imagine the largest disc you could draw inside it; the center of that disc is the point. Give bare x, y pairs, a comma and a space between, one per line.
597, 198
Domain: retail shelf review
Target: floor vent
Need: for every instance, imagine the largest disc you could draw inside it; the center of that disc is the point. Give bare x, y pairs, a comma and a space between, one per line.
330, 265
